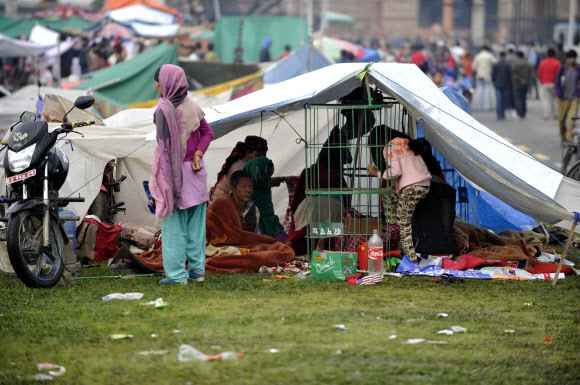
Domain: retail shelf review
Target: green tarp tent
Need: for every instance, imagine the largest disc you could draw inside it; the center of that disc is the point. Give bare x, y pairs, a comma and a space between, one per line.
282, 29
16, 27
131, 81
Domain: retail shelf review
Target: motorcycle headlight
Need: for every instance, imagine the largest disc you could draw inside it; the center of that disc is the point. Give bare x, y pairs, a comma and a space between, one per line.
18, 161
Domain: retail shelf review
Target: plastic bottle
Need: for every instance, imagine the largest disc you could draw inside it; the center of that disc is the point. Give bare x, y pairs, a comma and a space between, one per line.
126, 296
225, 356
302, 275
375, 254
189, 353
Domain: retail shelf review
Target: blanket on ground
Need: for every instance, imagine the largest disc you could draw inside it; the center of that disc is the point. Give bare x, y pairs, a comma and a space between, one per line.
509, 245
224, 228
230, 250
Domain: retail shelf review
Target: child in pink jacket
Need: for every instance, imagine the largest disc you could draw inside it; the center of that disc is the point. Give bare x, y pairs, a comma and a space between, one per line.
412, 181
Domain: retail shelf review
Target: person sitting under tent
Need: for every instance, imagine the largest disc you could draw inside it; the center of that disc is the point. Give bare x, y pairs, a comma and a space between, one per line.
252, 147
412, 180
326, 173
261, 170
242, 190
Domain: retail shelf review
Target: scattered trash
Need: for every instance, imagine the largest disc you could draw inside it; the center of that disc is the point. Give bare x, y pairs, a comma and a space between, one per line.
189, 353
443, 315
50, 367
528, 303
150, 303
509, 331
176, 331
154, 335
160, 303
126, 296
547, 339
412, 341
272, 351
253, 299
283, 277
126, 313
393, 332
338, 352
153, 352
341, 327
458, 329
393, 337
267, 280
302, 275
43, 377
446, 332
378, 317
362, 313
121, 336
436, 342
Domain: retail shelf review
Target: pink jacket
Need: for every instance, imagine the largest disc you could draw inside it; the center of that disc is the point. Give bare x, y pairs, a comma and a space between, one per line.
406, 168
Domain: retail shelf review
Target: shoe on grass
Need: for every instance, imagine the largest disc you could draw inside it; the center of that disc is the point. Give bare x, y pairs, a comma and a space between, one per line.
169, 281
194, 276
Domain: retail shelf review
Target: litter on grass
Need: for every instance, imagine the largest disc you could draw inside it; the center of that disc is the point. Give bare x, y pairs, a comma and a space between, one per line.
412, 341
458, 329
121, 336
446, 332
341, 327
272, 351
60, 370
160, 303
393, 337
442, 315
153, 352
189, 353
126, 296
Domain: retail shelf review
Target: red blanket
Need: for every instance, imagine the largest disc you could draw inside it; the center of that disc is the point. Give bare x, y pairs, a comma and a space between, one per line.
224, 228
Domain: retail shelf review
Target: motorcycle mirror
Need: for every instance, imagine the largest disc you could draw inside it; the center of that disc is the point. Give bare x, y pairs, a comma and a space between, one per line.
84, 102
27, 117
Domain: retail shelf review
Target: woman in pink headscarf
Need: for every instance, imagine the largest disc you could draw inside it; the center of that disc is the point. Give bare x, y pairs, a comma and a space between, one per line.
178, 183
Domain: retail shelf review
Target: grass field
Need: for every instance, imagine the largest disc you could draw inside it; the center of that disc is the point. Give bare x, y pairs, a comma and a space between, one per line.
71, 326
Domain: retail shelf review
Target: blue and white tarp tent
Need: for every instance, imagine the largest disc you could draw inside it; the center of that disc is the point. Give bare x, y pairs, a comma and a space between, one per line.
481, 208
484, 158
295, 64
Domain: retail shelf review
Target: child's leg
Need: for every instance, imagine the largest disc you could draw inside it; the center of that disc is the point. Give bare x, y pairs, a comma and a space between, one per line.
407, 202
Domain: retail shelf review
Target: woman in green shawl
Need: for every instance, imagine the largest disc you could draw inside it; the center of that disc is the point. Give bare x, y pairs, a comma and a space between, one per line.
261, 170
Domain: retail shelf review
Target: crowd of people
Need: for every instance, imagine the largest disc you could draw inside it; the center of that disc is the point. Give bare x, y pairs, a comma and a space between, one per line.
515, 73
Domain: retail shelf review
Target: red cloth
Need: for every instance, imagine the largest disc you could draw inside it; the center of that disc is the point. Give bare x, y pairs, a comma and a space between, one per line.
548, 69
469, 262
543, 268
105, 248
285, 54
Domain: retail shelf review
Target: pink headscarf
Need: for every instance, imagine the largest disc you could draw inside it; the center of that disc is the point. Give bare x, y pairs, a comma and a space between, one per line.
172, 136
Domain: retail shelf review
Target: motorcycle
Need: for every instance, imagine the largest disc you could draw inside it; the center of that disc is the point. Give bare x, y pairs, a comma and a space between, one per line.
35, 170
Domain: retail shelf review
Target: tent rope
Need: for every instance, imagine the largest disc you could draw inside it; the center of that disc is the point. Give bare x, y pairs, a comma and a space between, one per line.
576, 215
77, 190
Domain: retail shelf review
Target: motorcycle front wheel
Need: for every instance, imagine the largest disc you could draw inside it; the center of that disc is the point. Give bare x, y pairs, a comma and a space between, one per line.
35, 265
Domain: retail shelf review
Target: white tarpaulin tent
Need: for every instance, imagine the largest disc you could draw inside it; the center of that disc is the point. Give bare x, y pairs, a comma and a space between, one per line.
481, 156
17, 48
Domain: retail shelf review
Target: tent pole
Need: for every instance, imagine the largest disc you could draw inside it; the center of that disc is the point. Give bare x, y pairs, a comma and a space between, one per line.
564, 254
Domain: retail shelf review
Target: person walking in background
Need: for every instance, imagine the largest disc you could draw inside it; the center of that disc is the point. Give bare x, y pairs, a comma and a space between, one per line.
211, 56
522, 76
265, 51
482, 65
501, 75
567, 91
534, 60
547, 71
179, 178
287, 52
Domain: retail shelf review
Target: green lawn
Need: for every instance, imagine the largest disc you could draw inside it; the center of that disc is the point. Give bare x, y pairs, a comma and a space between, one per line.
71, 326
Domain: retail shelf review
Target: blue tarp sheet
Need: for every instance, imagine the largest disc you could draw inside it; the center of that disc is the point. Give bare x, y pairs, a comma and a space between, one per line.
481, 209
296, 64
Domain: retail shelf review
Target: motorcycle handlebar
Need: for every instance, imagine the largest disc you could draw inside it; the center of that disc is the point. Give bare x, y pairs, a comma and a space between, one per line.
82, 124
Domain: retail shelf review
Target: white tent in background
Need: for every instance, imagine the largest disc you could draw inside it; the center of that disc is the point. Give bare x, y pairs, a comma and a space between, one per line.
275, 113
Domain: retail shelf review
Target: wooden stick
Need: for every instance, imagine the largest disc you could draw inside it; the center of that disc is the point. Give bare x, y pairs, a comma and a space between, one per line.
564, 254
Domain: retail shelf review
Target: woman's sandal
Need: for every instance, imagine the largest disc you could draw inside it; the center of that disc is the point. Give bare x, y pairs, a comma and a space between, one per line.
447, 278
